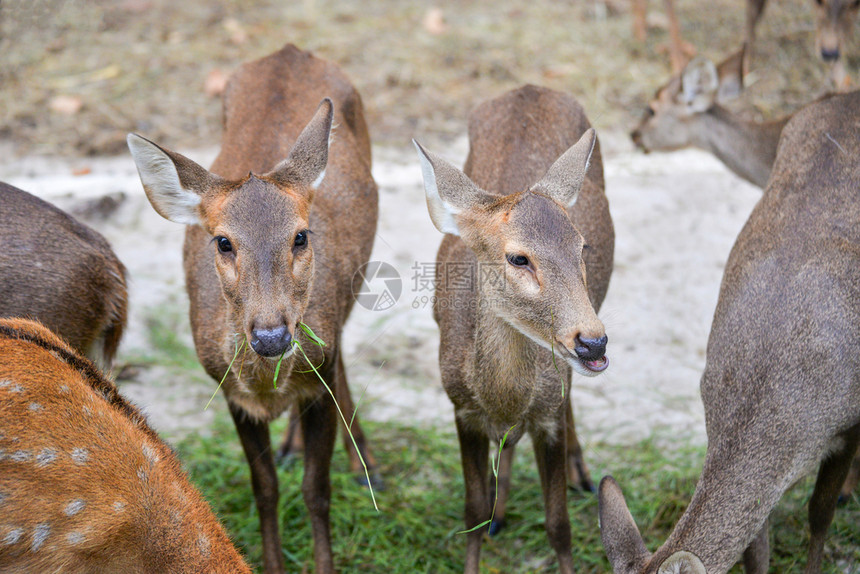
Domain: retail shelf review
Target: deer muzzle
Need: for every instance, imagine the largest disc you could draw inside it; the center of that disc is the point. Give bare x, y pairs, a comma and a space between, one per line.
271, 342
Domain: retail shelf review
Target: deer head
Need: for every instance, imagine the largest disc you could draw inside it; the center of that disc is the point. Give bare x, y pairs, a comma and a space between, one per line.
261, 237
529, 243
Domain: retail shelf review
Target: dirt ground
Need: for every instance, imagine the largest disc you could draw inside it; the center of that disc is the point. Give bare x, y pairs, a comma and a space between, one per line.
76, 76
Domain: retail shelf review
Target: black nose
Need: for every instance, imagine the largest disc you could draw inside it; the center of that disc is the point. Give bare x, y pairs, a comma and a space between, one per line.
590, 349
271, 342
830, 55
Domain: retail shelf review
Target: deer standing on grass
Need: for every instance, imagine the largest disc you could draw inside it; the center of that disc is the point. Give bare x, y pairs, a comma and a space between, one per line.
526, 247
781, 386
85, 484
266, 252
62, 273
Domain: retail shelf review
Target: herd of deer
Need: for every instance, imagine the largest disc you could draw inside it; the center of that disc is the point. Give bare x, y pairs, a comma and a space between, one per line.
271, 243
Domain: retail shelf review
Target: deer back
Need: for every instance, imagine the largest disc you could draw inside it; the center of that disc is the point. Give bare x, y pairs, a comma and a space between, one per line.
85, 484
61, 272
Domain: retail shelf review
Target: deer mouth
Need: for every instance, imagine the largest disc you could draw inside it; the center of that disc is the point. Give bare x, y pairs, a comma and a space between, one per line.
595, 366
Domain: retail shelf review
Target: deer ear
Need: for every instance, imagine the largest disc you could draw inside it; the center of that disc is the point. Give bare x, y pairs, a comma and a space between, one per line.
564, 178
730, 76
682, 563
173, 183
304, 167
699, 85
448, 191
621, 539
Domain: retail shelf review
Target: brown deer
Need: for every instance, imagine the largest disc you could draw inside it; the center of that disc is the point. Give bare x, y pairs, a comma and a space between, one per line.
781, 389
264, 253
686, 112
85, 484
525, 315
62, 273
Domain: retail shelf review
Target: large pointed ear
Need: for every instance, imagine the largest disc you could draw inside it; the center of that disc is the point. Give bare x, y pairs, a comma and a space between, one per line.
448, 191
173, 183
304, 167
699, 85
564, 178
730, 76
621, 539
682, 563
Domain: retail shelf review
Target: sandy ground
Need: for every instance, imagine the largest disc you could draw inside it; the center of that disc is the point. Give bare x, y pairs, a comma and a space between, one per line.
676, 217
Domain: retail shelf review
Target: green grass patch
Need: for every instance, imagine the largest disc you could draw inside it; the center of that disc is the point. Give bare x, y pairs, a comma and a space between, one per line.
421, 509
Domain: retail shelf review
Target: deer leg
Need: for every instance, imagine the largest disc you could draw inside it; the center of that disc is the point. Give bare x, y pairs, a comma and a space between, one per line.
344, 399
499, 497
293, 442
319, 423
474, 453
757, 555
679, 50
640, 30
256, 443
550, 455
852, 479
577, 471
822, 505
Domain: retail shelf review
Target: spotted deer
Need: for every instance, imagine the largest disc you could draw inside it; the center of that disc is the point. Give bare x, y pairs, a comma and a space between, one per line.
62, 273
85, 484
510, 338
264, 253
781, 386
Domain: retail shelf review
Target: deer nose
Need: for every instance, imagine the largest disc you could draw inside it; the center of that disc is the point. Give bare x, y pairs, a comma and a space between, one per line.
590, 349
830, 55
271, 342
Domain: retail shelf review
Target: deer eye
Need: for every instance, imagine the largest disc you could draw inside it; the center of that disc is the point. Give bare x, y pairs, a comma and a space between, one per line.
518, 260
224, 245
301, 239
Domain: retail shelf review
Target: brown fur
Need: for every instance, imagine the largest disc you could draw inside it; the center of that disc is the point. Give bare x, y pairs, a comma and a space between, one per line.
85, 484
781, 387
62, 273
266, 281
495, 375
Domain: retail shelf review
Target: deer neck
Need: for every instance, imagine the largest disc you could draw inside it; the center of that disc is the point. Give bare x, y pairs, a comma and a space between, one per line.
747, 148
504, 371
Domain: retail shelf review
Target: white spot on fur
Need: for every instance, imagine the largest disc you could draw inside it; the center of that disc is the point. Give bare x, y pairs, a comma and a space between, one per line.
16, 388
88, 411
40, 534
21, 456
35, 407
141, 474
80, 455
13, 536
203, 544
149, 453
74, 507
5, 383
45, 457
118, 506
75, 537
64, 389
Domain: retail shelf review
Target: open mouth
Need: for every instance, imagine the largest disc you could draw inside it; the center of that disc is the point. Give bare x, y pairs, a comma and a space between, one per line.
597, 366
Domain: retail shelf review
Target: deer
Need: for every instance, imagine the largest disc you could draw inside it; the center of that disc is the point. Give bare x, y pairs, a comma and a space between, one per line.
687, 112
265, 253
62, 273
780, 388
524, 220
86, 485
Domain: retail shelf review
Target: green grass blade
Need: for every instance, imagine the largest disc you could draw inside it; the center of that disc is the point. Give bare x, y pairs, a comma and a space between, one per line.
230, 366
313, 336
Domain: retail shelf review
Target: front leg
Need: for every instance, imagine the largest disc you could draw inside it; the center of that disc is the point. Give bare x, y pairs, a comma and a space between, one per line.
474, 452
757, 555
256, 443
578, 475
550, 455
319, 423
